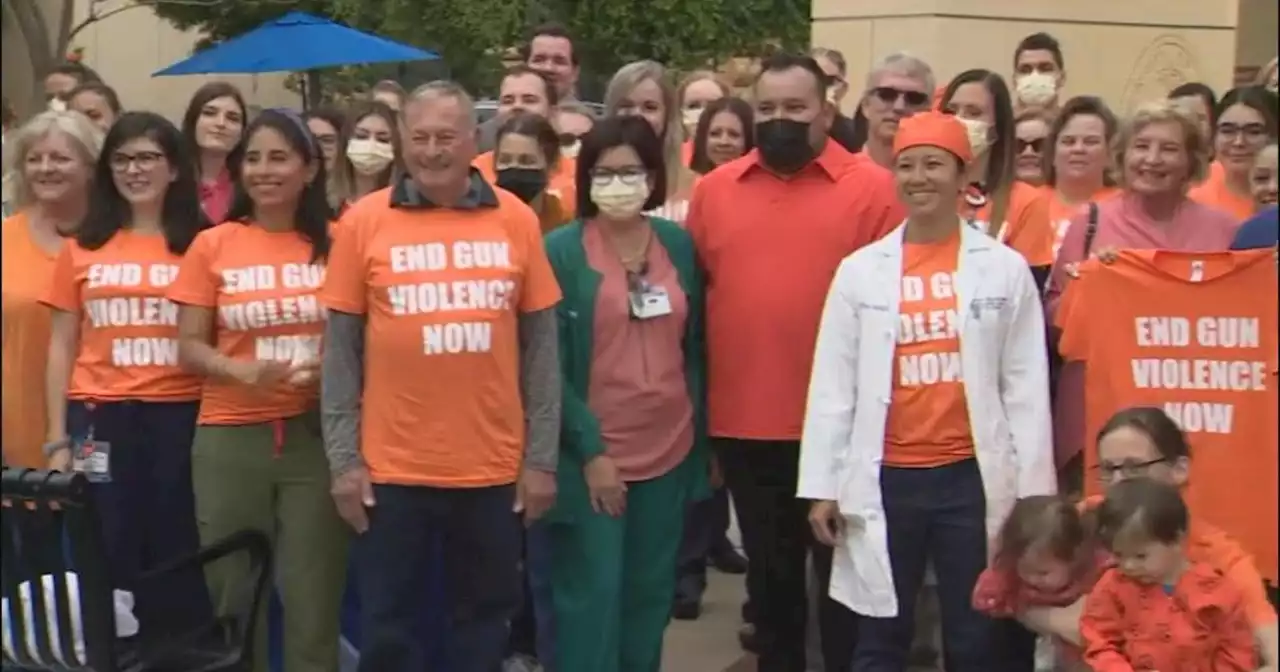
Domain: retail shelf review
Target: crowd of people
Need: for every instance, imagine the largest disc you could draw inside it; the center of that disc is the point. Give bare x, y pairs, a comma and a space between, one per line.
956, 350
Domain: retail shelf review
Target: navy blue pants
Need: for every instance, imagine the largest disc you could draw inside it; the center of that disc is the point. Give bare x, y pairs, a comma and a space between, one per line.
705, 525
147, 510
939, 514
479, 549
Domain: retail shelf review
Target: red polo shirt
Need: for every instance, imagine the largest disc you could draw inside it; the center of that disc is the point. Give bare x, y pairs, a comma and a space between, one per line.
770, 246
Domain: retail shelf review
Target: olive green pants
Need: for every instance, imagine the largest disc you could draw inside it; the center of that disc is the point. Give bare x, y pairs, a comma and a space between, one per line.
613, 580
242, 481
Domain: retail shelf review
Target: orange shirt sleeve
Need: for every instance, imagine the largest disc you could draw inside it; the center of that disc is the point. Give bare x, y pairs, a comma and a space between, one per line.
1030, 232
1102, 626
1236, 651
197, 283
1240, 572
63, 292
1072, 320
345, 285
540, 289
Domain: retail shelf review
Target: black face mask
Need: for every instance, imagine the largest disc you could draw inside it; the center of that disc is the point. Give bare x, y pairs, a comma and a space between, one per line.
526, 183
784, 144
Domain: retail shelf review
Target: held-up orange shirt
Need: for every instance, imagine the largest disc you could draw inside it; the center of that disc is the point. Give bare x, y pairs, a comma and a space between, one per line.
928, 420
1194, 334
1026, 225
263, 288
1197, 625
1215, 193
128, 330
442, 290
26, 269
562, 182
770, 247
1061, 213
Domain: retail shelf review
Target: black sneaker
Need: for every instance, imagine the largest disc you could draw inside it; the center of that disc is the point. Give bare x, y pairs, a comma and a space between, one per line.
728, 561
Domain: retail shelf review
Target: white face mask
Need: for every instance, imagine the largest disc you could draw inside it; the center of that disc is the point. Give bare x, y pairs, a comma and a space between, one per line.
571, 151
370, 157
618, 200
1037, 88
691, 117
57, 105
979, 132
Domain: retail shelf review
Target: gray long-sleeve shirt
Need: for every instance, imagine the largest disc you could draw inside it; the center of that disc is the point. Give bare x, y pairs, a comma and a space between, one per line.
342, 387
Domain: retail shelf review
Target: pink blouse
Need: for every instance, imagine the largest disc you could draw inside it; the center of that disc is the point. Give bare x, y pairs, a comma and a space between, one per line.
1122, 224
215, 196
638, 391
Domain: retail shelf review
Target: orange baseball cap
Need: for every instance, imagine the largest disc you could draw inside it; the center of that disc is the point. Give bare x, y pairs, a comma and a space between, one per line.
933, 129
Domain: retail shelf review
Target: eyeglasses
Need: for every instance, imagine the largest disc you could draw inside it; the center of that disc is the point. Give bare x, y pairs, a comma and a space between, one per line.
568, 139
1036, 145
890, 95
1108, 472
603, 176
143, 160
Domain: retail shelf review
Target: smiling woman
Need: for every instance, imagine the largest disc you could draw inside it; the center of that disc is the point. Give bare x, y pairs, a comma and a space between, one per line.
212, 125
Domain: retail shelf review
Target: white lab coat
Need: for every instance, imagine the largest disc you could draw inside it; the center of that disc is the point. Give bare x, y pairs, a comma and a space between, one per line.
1006, 380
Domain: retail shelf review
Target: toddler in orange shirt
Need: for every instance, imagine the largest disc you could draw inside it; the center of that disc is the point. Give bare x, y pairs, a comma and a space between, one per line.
1157, 611
1046, 556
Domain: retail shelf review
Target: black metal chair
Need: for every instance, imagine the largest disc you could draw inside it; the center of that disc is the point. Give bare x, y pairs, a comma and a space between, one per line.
49, 527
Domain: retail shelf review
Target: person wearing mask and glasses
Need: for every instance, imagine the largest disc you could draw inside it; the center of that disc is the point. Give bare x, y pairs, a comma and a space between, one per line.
116, 386
572, 120
633, 453
370, 152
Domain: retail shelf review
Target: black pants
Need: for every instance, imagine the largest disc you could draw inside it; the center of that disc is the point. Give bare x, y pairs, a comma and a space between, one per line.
939, 514
481, 547
706, 526
147, 510
775, 534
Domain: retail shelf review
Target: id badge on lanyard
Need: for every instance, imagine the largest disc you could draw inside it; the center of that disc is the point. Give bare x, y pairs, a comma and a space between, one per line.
90, 456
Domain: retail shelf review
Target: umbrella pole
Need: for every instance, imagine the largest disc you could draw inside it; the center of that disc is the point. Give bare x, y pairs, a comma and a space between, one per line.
312, 90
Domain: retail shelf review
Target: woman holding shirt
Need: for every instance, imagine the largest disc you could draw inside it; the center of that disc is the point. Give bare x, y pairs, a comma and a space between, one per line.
632, 453
1160, 153
928, 412
113, 383
250, 323
1146, 443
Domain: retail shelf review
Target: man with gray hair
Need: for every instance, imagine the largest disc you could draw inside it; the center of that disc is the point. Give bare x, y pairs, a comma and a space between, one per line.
440, 395
897, 87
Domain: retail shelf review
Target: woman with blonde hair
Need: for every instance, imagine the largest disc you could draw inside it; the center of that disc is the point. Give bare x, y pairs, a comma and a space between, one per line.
50, 161
643, 89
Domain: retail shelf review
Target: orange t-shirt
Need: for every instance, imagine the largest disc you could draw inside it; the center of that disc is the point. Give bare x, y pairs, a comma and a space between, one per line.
263, 286
26, 269
928, 420
128, 329
1061, 213
442, 290
1210, 546
1197, 625
1026, 223
1195, 334
561, 183
1214, 193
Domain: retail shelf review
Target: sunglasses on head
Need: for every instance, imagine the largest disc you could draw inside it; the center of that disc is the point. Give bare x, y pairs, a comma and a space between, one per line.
890, 95
1036, 145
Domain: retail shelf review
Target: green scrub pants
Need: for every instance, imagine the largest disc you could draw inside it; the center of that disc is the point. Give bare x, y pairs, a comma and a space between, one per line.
244, 481
613, 579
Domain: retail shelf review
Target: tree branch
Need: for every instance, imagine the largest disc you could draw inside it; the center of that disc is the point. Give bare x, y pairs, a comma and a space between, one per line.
96, 16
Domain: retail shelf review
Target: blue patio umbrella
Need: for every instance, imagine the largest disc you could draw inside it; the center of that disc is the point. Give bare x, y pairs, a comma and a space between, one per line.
296, 41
